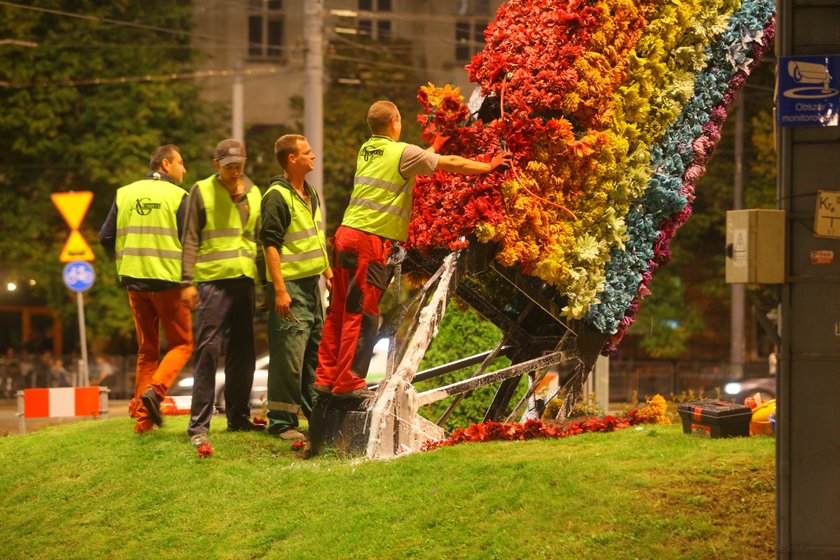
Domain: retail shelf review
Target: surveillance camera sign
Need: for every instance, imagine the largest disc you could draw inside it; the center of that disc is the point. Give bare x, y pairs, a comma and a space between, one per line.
809, 90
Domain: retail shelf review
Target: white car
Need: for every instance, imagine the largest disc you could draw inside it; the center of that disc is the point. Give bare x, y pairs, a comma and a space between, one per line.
259, 390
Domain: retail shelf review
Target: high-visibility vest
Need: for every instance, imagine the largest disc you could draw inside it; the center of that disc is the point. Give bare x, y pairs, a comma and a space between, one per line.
227, 249
381, 198
147, 241
304, 251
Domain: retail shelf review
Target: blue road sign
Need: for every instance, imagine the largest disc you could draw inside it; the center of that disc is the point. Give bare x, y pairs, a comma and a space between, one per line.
78, 276
809, 90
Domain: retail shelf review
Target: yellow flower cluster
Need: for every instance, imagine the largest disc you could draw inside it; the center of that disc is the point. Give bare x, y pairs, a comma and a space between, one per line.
656, 412
633, 82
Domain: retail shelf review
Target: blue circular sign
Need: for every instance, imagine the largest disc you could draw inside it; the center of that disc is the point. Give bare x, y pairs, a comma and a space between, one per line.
78, 276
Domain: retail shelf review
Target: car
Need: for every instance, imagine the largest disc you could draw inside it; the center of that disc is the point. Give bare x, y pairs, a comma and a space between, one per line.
259, 389
740, 389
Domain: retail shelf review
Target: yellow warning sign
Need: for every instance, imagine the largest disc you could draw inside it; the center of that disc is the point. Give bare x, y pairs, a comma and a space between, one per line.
76, 249
73, 206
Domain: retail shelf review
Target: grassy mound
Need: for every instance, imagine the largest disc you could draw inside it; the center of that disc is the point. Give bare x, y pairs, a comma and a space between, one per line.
95, 490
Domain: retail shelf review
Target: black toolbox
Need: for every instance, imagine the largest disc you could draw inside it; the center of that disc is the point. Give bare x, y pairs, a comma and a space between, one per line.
717, 418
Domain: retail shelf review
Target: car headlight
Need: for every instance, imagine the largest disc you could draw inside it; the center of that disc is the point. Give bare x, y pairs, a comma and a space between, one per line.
732, 388
186, 382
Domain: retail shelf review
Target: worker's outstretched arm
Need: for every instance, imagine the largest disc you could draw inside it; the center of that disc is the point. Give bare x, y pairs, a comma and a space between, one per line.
464, 166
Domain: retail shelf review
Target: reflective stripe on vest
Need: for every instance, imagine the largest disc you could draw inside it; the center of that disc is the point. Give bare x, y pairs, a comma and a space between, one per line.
227, 249
381, 199
304, 251
147, 241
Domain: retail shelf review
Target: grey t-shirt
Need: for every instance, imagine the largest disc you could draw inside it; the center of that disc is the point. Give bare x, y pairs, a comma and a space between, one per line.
417, 161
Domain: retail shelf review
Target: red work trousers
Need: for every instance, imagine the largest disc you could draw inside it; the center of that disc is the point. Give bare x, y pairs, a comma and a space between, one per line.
352, 324
151, 311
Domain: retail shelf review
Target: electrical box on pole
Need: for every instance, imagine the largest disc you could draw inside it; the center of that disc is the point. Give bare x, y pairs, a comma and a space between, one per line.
755, 246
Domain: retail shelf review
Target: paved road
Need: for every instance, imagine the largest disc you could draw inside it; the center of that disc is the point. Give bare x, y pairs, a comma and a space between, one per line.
9, 421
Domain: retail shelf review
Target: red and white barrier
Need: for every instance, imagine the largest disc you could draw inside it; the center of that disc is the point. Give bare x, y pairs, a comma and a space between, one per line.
62, 402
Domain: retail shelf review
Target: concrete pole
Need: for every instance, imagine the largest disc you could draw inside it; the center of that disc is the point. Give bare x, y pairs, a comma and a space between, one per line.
737, 345
237, 125
313, 97
601, 373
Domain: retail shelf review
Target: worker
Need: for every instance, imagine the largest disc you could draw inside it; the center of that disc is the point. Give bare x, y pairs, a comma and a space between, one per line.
220, 258
142, 231
292, 236
377, 216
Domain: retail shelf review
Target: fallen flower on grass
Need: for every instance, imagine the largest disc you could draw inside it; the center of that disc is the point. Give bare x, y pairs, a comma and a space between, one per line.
298, 445
204, 450
534, 429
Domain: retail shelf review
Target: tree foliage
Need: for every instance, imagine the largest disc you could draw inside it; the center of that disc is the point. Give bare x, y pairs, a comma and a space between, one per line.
361, 71
462, 333
70, 122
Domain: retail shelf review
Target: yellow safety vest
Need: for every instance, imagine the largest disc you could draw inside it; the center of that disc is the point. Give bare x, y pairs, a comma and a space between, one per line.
381, 198
147, 241
227, 249
304, 251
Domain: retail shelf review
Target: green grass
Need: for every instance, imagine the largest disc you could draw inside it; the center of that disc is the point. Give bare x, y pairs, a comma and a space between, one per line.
95, 490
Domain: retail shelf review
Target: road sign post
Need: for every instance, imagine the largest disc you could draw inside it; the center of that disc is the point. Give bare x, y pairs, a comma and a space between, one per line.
78, 274
73, 206
79, 277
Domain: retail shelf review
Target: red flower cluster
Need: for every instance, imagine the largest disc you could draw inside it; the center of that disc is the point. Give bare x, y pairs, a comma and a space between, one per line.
554, 71
204, 450
536, 429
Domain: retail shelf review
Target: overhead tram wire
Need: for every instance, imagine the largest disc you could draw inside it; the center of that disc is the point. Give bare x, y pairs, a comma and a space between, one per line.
124, 23
397, 16
443, 19
253, 74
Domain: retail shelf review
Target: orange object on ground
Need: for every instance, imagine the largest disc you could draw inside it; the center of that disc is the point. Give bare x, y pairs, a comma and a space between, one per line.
760, 423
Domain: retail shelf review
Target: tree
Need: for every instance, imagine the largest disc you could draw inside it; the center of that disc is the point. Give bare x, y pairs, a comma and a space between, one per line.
78, 114
361, 71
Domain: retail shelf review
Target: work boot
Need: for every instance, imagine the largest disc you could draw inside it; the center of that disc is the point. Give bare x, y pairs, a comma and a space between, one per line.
199, 439
361, 393
152, 404
322, 389
245, 426
291, 435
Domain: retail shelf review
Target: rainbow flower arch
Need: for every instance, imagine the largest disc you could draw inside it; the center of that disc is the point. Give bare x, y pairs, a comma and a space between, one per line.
612, 109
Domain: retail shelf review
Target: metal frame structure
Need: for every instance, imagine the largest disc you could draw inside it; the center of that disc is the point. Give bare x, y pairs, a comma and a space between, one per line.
535, 338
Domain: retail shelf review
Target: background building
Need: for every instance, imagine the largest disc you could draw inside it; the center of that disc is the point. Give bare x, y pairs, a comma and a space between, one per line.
263, 42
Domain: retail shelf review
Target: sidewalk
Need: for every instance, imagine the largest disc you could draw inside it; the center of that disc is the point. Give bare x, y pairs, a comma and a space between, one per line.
9, 421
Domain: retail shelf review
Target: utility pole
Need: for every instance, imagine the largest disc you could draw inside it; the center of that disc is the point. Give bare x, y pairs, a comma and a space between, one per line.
313, 99
738, 295
237, 125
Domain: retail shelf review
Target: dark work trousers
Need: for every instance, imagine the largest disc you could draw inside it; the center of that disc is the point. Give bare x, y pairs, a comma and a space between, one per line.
293, 347
225, 322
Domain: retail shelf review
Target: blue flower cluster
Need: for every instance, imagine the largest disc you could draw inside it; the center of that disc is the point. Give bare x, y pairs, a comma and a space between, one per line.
678, 161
